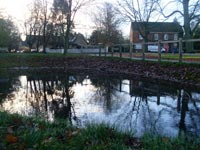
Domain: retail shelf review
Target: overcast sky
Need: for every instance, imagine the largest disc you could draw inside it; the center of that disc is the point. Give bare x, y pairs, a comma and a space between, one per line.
15, 8
18, 9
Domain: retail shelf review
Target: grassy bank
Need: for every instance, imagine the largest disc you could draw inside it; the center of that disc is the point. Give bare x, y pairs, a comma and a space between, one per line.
26, 59
38, 59
29, 133
21, 133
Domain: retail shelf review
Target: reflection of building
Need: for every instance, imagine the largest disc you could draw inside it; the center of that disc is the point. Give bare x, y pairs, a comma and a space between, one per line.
154, 31
139, 88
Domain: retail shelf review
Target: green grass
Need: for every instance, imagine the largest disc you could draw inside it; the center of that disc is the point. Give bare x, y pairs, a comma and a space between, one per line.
178, 143
99, 137
18, 132
185, 57
23, 133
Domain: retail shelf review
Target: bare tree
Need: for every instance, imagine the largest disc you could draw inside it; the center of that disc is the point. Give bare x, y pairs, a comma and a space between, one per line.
44, 19
190, 12
139, 11
37, 25
107, 24
65, 12
33, 25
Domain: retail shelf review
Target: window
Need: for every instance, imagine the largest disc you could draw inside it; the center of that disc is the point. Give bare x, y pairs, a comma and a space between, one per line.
156, 36
166, 37
140, 37
175, 36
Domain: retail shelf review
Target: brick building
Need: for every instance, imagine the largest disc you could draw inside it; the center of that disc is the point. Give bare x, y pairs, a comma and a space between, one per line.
154, 31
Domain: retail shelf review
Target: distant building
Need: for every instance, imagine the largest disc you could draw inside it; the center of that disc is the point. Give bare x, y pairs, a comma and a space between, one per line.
154, 31
75, 41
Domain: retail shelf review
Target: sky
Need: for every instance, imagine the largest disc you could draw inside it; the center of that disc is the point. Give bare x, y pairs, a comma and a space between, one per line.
18, 10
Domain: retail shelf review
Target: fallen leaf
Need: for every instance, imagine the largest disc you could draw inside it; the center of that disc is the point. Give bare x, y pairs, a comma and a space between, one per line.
71, 134
75, 132
49, 140
11, 139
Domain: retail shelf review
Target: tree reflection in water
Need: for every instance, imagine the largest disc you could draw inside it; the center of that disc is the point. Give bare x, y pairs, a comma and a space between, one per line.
105, 92
7, 86
129, 104
52, 95
141, 112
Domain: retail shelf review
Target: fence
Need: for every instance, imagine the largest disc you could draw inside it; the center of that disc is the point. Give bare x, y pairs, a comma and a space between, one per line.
154, 51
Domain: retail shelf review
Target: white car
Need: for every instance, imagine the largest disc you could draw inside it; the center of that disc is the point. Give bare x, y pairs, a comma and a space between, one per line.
33, 50
154, 49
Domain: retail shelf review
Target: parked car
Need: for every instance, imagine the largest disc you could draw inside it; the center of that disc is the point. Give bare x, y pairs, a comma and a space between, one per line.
3, 50
33, 50
154, 49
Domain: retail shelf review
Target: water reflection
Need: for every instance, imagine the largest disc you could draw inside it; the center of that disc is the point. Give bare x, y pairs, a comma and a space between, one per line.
131, 105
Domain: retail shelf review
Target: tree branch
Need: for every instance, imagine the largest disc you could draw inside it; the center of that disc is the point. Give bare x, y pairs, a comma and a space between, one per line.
171, 14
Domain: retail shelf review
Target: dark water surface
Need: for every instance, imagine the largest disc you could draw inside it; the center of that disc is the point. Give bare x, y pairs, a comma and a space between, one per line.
128, 104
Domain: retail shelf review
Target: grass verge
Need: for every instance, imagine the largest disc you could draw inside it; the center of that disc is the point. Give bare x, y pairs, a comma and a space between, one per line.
8, 60
23, 133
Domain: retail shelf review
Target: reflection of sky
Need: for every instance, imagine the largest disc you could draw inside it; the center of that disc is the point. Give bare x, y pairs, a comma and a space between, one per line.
16, 101
167, 117
128, 113
21, 101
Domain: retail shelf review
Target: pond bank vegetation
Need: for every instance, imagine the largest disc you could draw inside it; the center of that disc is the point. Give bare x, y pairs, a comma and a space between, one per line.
22, 133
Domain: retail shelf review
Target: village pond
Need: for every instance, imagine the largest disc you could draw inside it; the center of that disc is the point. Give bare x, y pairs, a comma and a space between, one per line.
132, 105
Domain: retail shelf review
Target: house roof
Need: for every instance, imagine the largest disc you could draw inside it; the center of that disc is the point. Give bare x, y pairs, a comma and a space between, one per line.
157, 26
78, 39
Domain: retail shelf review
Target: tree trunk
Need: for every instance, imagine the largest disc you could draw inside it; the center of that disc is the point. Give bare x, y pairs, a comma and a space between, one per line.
187, 29
66, 36
38, 41
44, 34
44, 26
66, 44
44, 41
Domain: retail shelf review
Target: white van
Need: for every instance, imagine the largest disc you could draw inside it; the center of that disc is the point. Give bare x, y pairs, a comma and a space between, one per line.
154, 49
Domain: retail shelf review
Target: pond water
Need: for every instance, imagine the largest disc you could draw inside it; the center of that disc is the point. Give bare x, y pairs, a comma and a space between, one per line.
128, 104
